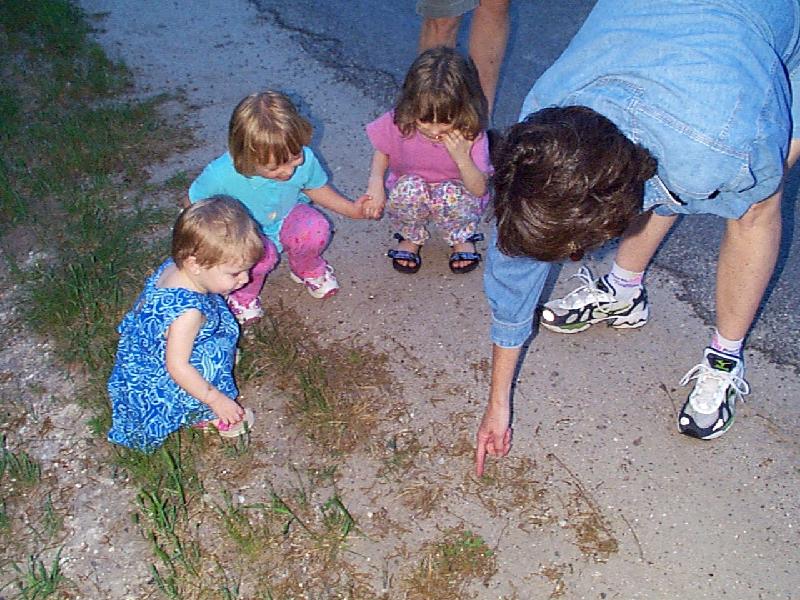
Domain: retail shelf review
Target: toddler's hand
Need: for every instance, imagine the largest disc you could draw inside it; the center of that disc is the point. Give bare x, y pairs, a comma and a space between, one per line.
227, 410
373, 207
367, 208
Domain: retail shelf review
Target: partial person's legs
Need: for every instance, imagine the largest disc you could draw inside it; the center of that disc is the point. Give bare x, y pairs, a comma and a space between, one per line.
407, 208
305, 233
245, 303
747, 258
441, 19
438, 32
488, 37
456, 213
641, 240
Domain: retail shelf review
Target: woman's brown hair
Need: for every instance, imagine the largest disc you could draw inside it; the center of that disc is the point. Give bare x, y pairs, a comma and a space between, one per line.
566, 180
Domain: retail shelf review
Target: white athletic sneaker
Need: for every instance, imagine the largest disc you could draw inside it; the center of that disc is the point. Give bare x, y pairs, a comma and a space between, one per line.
593, 302
320, 287
709, 410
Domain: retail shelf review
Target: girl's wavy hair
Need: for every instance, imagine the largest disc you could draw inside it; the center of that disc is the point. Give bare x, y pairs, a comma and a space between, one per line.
566, 180
216, 230
442, 86
266, 128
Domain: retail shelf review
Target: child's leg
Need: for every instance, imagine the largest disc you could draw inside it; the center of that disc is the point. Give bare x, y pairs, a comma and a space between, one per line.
305, 233
407, 208
251, 291
455, 212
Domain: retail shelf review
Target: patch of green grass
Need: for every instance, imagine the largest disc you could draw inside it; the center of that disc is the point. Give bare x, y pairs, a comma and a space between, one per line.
70, 153
450, 565
79, 296
91, 142
163, 514
35, 581
52, 520
18, 467
12, 207
337, 519
52, 36
57, 25
5, 519
332, 393
178, 181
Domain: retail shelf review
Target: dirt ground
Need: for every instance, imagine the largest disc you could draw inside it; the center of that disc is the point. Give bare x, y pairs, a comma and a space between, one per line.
600, 496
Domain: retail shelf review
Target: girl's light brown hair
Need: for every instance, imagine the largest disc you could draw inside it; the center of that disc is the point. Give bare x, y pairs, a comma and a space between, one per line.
442, 86
265, 128
215, 231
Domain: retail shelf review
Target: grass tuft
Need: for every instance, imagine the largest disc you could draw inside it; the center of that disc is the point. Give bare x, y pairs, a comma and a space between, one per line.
18, 467
35, 581
450, 566
333, 392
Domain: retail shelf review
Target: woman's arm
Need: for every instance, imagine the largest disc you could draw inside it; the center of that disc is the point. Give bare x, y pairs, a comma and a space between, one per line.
180, 341
494, 433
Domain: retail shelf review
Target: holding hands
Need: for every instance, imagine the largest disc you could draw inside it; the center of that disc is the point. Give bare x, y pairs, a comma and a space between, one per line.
373, 208
367, 207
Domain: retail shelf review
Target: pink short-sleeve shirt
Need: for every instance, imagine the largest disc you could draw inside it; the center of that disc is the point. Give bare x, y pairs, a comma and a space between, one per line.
417, 155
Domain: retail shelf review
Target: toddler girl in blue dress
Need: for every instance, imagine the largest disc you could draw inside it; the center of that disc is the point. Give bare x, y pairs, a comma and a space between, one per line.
174, 364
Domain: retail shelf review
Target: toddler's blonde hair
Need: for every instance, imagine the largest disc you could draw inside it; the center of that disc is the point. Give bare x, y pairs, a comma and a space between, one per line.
216, 230
266, 128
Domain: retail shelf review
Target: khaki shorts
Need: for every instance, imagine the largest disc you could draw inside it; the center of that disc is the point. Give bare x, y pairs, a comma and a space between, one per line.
436, 9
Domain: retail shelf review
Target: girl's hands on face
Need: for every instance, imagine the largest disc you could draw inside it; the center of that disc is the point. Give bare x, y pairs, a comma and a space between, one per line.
457, 145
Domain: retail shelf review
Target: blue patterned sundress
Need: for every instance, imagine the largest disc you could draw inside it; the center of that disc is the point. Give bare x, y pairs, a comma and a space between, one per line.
146, 403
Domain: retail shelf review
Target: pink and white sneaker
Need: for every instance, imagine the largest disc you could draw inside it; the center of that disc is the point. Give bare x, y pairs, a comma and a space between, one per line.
320, 287
246, 314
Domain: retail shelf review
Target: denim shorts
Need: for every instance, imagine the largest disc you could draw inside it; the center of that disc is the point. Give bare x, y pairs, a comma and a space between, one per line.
706, 87
437, 9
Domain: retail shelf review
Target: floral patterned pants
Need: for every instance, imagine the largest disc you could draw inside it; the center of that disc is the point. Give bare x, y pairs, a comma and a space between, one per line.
413, 203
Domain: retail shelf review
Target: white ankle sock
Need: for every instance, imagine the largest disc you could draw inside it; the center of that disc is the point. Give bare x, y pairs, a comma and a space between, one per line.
626, 283
723, 344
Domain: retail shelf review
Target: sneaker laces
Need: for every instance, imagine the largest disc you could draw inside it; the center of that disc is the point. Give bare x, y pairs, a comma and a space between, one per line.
587, 293
711, 386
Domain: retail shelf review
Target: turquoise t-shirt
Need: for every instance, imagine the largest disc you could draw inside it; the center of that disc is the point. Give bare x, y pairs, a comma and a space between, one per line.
268, 200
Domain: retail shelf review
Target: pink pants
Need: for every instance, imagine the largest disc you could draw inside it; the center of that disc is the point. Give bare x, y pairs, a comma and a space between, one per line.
305, 233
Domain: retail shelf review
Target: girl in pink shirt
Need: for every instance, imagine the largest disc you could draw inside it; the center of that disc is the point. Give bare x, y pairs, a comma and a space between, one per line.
432, 157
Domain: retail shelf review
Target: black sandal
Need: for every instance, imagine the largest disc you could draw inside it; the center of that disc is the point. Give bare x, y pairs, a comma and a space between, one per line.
474, 258
406, 255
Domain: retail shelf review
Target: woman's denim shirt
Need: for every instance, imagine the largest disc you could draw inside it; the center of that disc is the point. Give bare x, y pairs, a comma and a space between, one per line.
704, 86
